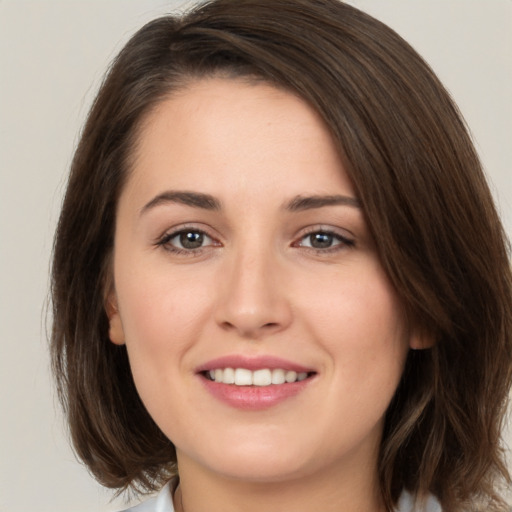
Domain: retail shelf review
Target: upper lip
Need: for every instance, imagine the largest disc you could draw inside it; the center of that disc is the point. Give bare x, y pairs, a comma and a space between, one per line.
252, 363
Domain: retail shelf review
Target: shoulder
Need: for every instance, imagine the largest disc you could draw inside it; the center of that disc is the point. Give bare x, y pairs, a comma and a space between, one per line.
406, 504
162, 502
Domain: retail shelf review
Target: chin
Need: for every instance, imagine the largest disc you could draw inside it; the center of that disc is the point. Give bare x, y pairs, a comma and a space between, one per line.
257, 463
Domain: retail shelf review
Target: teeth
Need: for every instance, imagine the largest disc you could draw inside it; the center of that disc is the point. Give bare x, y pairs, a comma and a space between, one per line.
243, 377
263, 377
228, 376
278, 377
290, 376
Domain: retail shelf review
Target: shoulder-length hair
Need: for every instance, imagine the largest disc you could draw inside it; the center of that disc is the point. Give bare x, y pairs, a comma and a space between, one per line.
420, 182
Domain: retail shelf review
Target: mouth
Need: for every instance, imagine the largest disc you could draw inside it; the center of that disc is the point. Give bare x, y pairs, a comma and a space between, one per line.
260, 378
255, 383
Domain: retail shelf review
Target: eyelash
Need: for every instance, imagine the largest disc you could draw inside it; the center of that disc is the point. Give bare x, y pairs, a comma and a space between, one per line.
165, 242
343, 241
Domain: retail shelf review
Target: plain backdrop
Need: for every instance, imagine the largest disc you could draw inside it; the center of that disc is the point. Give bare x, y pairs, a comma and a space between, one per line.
52, 57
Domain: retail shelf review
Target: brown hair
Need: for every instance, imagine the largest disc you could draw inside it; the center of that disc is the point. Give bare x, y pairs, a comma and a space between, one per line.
420, 182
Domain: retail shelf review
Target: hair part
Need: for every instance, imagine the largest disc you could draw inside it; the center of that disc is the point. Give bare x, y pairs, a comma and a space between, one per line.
407, 151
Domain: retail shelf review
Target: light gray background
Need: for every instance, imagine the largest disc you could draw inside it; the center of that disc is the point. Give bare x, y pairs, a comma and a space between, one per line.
52, 56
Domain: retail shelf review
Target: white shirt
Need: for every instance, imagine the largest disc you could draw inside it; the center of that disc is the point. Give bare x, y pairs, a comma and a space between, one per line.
163, 503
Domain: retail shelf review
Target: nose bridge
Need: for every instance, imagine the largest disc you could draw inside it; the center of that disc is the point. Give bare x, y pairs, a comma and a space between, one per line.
254, 299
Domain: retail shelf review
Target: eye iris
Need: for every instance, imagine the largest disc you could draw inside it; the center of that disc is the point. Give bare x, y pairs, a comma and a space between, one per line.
191, 240
321, 240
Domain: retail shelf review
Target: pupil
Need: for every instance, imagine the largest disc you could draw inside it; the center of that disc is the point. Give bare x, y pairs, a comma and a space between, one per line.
191, 240
321, 240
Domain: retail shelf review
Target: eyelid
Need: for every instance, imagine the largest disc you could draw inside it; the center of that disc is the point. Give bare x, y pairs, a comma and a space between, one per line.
345, 241
164, 240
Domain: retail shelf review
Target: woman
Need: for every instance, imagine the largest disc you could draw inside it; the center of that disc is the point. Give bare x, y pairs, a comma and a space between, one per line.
279, 273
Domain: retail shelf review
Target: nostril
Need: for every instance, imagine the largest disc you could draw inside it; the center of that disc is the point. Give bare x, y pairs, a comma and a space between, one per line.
227, 325
251, 319
249, 329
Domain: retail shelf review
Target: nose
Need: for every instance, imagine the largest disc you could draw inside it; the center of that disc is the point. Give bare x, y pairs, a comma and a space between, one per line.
253, 302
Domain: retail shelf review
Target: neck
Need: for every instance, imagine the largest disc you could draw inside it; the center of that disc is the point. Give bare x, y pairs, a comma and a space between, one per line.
331, 490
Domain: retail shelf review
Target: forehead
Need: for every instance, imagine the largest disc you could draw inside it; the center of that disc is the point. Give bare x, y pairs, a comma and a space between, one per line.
220, 135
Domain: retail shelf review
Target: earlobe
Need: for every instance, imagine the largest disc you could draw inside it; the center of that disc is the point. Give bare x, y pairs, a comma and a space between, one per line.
421, 340
115, 330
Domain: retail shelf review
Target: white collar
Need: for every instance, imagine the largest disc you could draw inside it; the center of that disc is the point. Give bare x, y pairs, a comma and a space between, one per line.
406, 504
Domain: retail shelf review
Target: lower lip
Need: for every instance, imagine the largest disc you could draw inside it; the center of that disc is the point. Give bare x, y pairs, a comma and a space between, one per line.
254, 398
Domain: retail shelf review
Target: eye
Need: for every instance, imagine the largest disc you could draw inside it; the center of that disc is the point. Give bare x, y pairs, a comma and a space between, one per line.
318, 240
324, 240
190, 239
186, 240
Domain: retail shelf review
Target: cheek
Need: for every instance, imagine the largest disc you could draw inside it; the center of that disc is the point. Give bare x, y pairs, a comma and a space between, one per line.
161, 314
158, 303
361, 324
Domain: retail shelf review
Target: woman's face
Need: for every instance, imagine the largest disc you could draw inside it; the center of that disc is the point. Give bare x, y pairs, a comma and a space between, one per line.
242, 254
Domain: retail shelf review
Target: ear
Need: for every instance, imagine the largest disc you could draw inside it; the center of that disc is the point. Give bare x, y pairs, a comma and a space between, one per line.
420, 339
115, 330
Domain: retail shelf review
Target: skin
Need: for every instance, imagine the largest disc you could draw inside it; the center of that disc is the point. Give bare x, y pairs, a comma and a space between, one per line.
256, 286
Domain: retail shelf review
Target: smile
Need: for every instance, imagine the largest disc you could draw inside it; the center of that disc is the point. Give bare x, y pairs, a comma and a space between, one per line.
255, 383
261, 377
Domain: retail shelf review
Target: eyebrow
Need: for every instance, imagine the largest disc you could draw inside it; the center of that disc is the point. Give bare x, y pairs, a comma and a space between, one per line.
301, 203
194, 199
208, 202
